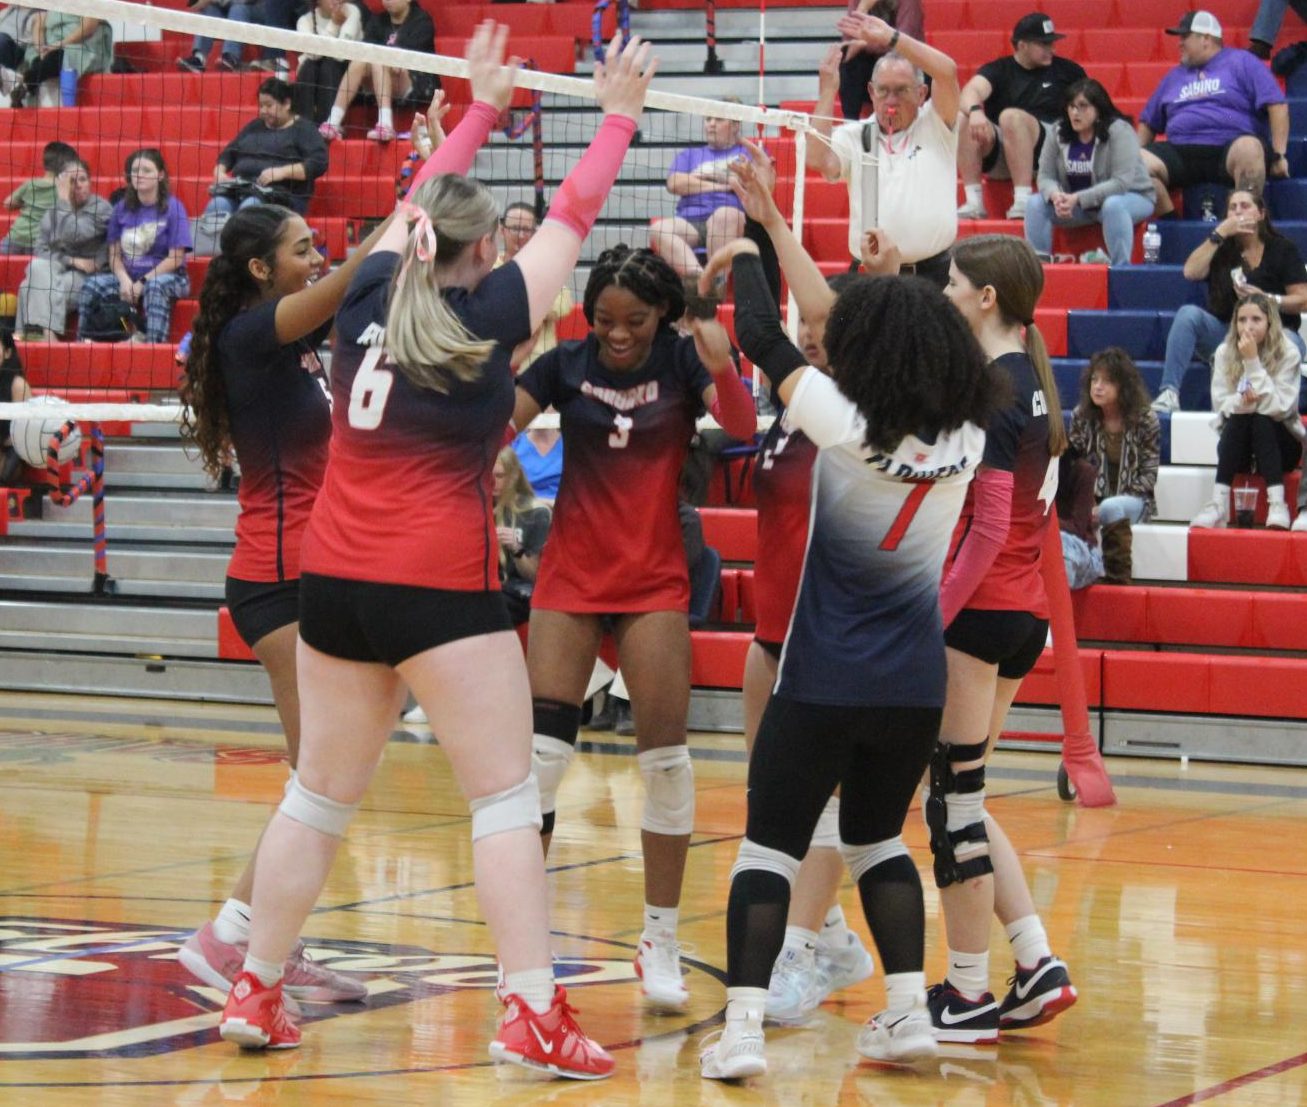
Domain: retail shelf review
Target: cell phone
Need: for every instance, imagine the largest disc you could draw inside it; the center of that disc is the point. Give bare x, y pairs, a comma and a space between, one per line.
1238, 276
697, 306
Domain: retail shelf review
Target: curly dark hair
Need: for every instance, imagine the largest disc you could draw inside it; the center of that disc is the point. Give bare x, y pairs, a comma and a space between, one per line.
908, 361
229, 288
131, 201
1131, 392
643, 273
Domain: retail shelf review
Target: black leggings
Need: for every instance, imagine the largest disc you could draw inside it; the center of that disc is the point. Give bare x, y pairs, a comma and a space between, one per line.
1269, 441
876, 755
316, 86
43, 69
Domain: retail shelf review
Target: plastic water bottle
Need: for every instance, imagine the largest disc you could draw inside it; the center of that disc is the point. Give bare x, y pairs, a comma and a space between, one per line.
1209, 210
1152, 244
68, 87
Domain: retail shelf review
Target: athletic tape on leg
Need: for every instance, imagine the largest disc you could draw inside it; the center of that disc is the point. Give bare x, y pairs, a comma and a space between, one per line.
668, 790
827, 833
319, 813
862, 859
512, 809
765, 859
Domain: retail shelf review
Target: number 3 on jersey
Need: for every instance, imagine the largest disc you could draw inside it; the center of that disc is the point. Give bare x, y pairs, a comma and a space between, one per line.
622, 435
371, 390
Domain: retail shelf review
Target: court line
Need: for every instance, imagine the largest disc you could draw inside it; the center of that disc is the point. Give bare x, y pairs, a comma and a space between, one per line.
1234, 1083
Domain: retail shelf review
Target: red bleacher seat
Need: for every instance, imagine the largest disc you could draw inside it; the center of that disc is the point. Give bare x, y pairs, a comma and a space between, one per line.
1128, 45
718, 658
99, 365
732, 532
1040, 684
973, 48
231, 646
1248, 557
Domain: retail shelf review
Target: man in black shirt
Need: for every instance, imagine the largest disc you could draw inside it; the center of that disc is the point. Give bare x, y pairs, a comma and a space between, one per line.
1006, 106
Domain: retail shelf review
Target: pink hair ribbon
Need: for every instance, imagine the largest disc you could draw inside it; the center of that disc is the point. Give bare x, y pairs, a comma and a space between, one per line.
424, 232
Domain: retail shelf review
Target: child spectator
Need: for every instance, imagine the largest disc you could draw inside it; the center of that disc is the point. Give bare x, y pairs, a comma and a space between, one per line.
61, 40
32, 199
1255, 396
317, 78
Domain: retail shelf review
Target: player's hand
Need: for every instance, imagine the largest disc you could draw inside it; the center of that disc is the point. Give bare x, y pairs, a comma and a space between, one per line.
828, 72
880, 254
720, 263
428, 131
752, 181
492, 79
622, 80
866, 29
713, 346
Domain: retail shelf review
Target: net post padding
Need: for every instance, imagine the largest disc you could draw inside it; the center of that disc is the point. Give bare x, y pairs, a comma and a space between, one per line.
1084, 764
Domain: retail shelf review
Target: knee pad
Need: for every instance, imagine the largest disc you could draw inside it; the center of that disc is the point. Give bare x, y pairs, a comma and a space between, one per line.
291, 779
668, 790
320, 813
512, 809
827, 833
862, 859
955, 815
763, 859
555, 724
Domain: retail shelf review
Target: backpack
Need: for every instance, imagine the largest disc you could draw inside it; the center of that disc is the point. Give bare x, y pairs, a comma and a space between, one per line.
111, 320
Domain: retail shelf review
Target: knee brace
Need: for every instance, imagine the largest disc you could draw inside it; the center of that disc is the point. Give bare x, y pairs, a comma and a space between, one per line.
552, 749
862, 859
511, 809
955, 815
827, 833
754, 856
320, 813
668, 790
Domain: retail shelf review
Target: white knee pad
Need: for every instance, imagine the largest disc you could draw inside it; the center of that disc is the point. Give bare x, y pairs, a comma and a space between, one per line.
549, 760
294, 776
511, 809
966, 809
765, 859
827, 833
668, 790
862, 859
320, 813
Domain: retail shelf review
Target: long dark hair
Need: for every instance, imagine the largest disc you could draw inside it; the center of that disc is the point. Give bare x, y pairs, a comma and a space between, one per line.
11, 359
1100, 101
229, 287
641, 272
131, 201
908, 361
1131, 392
1229, 255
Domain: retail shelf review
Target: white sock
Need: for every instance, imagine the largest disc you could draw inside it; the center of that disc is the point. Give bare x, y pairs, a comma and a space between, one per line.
233, 923
1220, 497
742, 1002
969, 973
661, 920
1275, 493
905, 990
385, 118
337, 116
535, 986
975, 195
267, 972
834, 928
1029, 942
796, 937
1020, 194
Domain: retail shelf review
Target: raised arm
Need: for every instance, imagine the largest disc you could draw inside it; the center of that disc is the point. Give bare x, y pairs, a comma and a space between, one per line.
819, 154
942, 70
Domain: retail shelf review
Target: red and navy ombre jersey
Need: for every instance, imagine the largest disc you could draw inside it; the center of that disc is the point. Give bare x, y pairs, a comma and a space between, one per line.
407, 494
1017, 441
615, 544
280, 418
782, 485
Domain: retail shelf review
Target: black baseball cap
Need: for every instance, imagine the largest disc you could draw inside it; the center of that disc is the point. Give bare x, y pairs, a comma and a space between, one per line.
1197, 23
1035, 27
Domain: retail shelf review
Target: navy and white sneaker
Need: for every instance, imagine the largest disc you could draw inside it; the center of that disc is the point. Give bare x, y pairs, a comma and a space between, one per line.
958, 1019
1036, 995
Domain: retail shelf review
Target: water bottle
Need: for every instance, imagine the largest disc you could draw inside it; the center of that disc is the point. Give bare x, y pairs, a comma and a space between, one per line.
1209, 210
68, 87
1152, 244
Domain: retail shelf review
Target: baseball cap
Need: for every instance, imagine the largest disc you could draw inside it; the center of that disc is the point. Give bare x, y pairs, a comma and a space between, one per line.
1035, 27
1197, 23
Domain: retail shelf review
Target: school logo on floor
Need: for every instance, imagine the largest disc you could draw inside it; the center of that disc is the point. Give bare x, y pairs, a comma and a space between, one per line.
72, 989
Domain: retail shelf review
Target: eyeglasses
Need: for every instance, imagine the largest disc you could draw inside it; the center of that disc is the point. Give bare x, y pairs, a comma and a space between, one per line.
899, 92
519, 229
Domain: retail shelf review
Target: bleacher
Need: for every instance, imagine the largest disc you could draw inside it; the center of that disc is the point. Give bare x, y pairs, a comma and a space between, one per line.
1208, 638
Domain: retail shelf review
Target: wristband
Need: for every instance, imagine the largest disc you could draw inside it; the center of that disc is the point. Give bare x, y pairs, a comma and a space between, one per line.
894, 39
1216, 238
974, 107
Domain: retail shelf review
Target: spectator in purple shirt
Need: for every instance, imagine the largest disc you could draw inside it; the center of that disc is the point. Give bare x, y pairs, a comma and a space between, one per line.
1214, 108
707, 212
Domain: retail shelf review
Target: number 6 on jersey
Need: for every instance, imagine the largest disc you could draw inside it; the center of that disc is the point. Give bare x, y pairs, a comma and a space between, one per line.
371, 389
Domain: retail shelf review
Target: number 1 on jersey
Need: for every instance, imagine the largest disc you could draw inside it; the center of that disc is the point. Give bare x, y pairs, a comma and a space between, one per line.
906, 514
370, 391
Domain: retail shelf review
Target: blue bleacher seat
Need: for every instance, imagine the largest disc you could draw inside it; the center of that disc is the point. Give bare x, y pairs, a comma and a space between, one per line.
1297, 114
1142, 334
1181, 236
1198, 197
1160, 287
1287, 199
1068, 370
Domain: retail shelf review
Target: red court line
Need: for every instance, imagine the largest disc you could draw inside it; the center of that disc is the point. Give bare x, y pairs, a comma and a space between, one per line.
1238, 1082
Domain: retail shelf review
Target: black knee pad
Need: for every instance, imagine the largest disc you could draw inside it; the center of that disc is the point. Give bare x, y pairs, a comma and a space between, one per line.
556, 719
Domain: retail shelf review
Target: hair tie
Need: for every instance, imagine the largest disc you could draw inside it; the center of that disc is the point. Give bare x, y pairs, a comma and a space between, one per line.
424, 234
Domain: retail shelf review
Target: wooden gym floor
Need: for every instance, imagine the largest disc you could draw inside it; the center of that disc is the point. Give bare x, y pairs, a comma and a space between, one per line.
123, 823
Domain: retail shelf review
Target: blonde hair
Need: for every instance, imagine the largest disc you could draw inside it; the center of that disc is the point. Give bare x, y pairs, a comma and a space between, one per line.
1272, 349
518, 493
1011, 268
424, 337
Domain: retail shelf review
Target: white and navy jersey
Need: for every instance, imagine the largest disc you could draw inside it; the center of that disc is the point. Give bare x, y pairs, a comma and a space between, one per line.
866, 629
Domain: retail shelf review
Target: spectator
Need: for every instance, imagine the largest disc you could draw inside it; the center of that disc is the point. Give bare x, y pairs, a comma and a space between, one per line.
540, 451
855, 69
1245, 243
70, 247
516, 226
13, 390
405, 26
1266, 24
1075, 519
230, 58
707, 213
317, 79
149, 235
62, 41
1255, 395
522, 525
1091, 172
1211, 108
279, 150
32, 199
1007, 106
901, 164
1115, 429
16, 28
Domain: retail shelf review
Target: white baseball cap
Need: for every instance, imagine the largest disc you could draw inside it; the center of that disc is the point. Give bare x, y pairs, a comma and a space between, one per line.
1197, 23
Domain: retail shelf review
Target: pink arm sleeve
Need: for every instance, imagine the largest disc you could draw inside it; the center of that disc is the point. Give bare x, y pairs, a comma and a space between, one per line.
989, 526
733, 406
577, 203
459, 150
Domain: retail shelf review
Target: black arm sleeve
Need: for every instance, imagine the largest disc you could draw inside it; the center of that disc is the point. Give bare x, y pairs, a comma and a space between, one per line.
771, 265
758, 322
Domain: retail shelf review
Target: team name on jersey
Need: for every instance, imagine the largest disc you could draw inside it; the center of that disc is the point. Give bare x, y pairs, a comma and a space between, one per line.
897, 468
1203, 86
623, 399
1038, 405
374, 334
